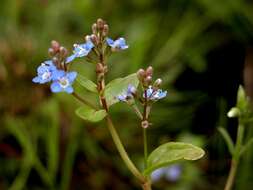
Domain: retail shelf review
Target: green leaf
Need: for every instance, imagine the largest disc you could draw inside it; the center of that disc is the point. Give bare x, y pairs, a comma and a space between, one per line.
227, 139
170, 153
86, 83
118, 86
90, 114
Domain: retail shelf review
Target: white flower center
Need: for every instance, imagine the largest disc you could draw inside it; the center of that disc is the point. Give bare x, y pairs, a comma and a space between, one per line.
46, 75
64, 82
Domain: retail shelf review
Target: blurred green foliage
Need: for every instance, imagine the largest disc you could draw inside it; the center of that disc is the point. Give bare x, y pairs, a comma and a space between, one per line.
43, 145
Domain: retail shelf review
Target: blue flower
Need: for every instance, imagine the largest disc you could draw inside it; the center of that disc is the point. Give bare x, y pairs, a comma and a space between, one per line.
119, 44
62, 81
171, 173
153, 94
157, 174
45, 72
80, 50
128, 94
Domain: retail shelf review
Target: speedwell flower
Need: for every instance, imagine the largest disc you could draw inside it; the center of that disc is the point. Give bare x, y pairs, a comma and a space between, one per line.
119, 44
171, 173
128, 94
62, 81
80, 50
45, 72
153, 94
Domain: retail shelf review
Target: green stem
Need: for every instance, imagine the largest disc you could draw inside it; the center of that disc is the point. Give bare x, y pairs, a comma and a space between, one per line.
146, 111
236, 158
147, 185
231, 175
42, 172
123, 152
114, 134
145, 144
137, 111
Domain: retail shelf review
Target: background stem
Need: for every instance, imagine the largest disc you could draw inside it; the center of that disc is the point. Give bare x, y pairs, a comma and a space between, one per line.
231, 176
235, 158
145, 144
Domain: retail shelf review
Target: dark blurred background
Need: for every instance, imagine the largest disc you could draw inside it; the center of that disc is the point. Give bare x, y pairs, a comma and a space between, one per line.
198, 48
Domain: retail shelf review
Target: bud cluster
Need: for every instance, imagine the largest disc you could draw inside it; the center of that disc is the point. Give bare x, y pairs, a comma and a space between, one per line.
100, 28
99, 32
145, 78
58, 54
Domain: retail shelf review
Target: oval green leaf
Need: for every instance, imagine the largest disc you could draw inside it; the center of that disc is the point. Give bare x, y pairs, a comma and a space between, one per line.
118, 86
90, 114
86, 83
170, 153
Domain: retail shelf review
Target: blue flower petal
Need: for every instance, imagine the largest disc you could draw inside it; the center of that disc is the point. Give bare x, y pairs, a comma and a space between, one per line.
89, 45
109, 41
122, 97
149, 92
119, 44
71, 76
173, 172
69, 90
70, 58
81, 50
42, 69
55, 87
162, 94
57, 74
157, 174
36, 79
122, 43
131, 89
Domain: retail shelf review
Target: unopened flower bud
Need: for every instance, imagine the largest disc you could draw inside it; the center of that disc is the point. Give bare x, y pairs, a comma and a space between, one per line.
157, 83
105, 30
55, 60
149, 71
94, 39
55, 45
148, 80
145, 124
87, 38
94, 28
233, 112
140, 74
100, 24
51, 52
63, 51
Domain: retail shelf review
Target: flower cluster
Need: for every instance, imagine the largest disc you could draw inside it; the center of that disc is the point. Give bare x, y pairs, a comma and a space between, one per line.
149, 93
56, 69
